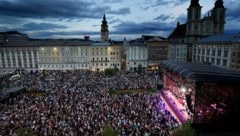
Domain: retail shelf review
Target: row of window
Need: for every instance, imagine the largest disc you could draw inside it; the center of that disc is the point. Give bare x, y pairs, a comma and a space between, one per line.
18, 54
64, 66
213, 52
216, 61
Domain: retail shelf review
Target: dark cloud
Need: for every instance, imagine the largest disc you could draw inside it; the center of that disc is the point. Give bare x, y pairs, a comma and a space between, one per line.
163, 17
4, 28
233, 12
181, 19
6, 20
55, 9
114, 21
144, 8
167, 2
145, 27
232, 31
112, 1
120, 11
42, 26
20, 15
48, 34
43, 8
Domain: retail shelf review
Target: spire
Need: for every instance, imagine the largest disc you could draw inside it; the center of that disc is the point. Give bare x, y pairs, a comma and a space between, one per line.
194, 3
104, 21
219, 4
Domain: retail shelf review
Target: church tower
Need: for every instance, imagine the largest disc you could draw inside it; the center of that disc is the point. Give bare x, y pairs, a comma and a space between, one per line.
193, 19
104, 29
218, 16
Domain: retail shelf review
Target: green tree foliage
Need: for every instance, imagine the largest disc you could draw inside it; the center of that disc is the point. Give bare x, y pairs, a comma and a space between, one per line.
140, 69
23, 132
109, 72
185, 130
115, 69
108, 131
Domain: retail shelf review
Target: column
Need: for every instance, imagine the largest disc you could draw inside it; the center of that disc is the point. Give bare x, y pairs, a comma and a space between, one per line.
27, 58
5, 58
32, 56
16, 59
22, 61
11, 61
1, 59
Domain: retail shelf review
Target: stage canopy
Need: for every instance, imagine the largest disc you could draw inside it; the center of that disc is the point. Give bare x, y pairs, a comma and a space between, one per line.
201, 71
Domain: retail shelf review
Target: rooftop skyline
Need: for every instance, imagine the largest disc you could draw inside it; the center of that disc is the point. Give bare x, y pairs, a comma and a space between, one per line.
126, 18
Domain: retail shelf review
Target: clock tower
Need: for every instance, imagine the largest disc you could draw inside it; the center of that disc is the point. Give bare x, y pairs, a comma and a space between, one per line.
104, 29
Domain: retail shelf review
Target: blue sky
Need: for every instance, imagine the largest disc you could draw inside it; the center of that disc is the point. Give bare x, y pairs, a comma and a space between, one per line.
126, 18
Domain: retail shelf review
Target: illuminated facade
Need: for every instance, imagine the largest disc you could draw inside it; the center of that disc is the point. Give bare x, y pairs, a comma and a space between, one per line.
59, 55
64, 55
222, 51
177, 52
105, 55
136, 54
157, 48
14, 57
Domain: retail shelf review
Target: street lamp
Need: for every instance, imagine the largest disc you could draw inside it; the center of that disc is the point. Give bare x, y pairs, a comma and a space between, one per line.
183, 89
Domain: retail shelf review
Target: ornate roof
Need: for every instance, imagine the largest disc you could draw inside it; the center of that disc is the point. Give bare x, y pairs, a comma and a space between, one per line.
179, 31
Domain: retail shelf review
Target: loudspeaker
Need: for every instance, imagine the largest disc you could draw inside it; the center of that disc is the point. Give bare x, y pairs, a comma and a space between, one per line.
188, 100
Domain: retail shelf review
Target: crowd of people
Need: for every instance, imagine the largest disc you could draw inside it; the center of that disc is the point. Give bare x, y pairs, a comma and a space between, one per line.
78, 103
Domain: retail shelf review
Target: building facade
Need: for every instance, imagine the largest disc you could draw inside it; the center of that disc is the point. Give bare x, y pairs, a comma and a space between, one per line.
64, 55
136, 55
157, 48
59, 55
222, 51
177, 52
196, 27
14, 57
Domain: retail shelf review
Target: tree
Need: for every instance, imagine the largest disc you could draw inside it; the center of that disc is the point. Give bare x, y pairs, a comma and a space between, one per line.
140, 68
116, 69
23, 132
185, 130
108, 131
109, 72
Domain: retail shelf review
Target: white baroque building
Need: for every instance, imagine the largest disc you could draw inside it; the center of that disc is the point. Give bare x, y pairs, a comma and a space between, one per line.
64, 55
23, 56
99, 56
136, 54
177, 52
59, 55
220, 50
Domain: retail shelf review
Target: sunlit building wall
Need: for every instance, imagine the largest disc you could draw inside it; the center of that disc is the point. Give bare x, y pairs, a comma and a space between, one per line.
18, 55
177, 52
136, 55
98, 56
114, 53
222, 51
